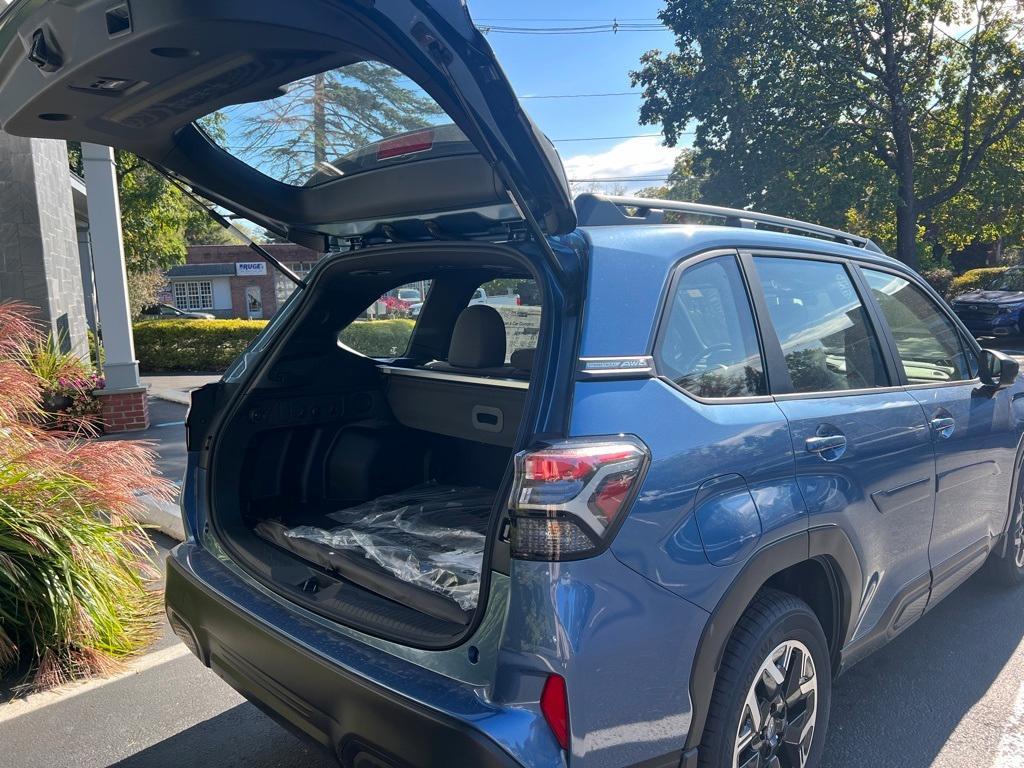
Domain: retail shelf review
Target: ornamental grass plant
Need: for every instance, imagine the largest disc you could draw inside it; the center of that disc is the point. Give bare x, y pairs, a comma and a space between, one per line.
77, 584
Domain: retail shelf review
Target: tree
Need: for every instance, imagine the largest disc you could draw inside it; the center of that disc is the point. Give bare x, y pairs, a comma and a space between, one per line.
321, 118
910, 96
157, 221
682, 183
154, 215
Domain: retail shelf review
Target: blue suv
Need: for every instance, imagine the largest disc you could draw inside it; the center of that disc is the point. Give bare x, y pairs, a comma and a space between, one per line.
641, 517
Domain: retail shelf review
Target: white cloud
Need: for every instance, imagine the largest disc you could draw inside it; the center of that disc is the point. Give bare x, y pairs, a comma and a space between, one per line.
629, 159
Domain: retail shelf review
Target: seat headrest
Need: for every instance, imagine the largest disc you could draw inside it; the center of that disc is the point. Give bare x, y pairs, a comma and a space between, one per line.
478, 340
522, 359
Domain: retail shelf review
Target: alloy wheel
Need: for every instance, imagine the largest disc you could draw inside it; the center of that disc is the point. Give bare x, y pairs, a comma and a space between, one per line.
776, 726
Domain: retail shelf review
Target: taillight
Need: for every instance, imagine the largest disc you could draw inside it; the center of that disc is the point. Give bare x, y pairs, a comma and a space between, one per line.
568, 498
407, 144
519, 300
554, 705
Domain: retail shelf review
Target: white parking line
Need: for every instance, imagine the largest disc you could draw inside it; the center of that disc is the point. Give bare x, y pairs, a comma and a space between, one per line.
35, 701
1011, 746
168, 424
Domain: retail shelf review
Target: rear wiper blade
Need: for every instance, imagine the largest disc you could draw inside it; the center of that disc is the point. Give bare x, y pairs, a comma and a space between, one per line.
232, 228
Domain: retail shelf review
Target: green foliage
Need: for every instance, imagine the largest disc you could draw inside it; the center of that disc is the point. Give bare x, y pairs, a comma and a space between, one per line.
212, 345
378, 338
66, 382
192, 345
153, 216
683, 182
143, 289
75, 574
840, 111
939, 278
157, 220
974, 280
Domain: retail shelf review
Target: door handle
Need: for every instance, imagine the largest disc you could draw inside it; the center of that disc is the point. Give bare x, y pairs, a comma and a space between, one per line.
828, 447
944, 426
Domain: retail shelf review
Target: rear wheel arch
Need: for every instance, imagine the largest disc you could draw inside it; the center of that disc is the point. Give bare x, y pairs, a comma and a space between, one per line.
1002, 547
827, 556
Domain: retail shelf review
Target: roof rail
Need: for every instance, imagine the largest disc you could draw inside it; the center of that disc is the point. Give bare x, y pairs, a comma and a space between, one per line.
595, 210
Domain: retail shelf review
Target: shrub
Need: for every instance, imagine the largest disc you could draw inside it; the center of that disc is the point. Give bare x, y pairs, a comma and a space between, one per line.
973, 280
939, 279
192, 345
212, 345
67, 383
75, 573
378, 338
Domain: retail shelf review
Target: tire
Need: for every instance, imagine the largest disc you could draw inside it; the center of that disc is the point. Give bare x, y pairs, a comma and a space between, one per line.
1007, 570
781, 630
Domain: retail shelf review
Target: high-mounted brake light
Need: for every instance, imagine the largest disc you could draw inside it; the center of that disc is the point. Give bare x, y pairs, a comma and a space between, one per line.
407, 144
567, 498
554, 705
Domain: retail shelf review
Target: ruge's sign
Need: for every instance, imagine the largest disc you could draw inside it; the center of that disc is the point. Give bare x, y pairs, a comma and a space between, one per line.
250, 268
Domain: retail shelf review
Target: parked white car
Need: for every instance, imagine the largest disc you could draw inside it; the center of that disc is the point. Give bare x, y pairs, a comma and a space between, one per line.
480, 296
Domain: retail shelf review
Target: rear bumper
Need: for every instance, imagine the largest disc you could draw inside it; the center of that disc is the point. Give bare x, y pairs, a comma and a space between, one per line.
367, 722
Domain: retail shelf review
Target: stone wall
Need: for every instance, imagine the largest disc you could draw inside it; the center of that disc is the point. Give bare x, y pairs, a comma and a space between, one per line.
39, 259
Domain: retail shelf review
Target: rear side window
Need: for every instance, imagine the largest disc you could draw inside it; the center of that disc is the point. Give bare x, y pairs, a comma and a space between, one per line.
709, 343
518, 302
385, 328
928, 342
826, 339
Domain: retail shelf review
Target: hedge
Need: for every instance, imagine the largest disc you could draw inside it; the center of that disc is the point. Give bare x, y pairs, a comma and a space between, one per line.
379, 338
973, 280
212, 345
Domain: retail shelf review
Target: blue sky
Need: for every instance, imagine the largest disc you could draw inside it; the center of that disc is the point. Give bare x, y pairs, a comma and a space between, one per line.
582, 63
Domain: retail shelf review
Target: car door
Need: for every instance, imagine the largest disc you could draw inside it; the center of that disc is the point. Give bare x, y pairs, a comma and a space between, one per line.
863, 452
972, 429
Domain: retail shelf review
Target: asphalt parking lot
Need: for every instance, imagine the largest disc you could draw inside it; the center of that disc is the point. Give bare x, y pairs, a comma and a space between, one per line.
948, 693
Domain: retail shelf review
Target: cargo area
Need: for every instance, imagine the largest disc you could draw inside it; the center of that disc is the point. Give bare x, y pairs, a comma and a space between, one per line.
369, 489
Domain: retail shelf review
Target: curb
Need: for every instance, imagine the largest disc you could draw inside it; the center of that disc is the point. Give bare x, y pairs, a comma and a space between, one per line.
165, 516
171, 396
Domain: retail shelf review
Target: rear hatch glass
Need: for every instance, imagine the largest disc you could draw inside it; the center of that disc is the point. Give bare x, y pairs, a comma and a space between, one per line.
306, 118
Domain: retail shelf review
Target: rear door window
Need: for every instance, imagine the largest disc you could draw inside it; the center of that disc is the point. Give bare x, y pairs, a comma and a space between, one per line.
826, 337
708, 345
930, 346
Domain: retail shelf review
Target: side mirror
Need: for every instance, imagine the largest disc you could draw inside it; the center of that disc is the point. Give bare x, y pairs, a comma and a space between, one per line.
998, 370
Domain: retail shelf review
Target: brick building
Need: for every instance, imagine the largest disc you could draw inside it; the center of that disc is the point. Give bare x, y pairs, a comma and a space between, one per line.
233, 281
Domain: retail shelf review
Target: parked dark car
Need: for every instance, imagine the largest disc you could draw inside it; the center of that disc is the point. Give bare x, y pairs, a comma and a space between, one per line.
642, 523
166, 311
997, 310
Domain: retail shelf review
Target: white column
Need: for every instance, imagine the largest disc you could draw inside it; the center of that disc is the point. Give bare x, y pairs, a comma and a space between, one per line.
120, 368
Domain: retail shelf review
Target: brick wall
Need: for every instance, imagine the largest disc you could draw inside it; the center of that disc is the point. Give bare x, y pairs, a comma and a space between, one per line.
124, 411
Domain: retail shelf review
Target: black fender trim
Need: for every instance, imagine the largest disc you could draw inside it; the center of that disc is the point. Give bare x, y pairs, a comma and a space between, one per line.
827, 543
1001, 547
